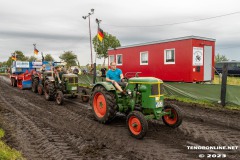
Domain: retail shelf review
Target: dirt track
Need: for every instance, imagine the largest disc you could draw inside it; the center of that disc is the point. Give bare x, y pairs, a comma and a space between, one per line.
43, 130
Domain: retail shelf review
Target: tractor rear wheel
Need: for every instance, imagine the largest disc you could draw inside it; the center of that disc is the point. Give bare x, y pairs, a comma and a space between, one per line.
35, 85
104, 104
49, 91
137, 124
59, 98
13, 82
40, 89
174, 119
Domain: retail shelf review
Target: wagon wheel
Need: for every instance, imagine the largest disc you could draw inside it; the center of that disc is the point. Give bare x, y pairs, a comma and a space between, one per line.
103, 104
59, 98
35, 85
137, 124
174, 119
40, 89
84, 96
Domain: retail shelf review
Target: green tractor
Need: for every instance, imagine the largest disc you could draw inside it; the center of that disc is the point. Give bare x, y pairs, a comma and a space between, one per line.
58, 87
45, 76
144, 100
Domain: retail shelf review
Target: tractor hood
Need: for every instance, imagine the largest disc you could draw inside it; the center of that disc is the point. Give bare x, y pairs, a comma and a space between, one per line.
69, 75
144, 80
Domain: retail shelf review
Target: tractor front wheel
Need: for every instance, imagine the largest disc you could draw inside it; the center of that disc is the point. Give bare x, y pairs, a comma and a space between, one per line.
137, 124
174, 118
103, 103
35, 85
40, 89
59, 98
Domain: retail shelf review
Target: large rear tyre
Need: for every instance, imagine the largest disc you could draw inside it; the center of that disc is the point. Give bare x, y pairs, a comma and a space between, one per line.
13, 82
59, 98
40, 89
104, 104
49, 91
174, 119
35, 85
137, 124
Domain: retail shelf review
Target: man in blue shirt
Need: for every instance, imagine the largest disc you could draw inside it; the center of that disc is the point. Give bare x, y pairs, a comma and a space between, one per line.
115, 76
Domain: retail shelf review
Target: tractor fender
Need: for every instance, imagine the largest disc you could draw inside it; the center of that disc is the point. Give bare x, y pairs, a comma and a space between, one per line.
107, 85
35, 76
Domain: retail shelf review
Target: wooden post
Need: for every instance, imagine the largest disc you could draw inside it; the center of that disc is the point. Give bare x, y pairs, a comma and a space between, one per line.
224, 84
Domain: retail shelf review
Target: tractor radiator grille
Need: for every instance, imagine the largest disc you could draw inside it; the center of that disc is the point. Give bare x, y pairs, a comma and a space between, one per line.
154, 89
73, 80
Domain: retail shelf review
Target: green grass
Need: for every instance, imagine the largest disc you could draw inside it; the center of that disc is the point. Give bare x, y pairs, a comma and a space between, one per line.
6, 153
230, 80
205, 104
3, 73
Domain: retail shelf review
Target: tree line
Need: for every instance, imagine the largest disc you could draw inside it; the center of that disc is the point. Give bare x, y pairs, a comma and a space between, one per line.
69, 57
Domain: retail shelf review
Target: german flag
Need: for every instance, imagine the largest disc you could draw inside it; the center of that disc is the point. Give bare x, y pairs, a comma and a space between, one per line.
36, 51
100, 34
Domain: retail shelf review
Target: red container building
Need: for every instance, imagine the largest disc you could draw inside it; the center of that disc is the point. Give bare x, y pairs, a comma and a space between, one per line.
185, 59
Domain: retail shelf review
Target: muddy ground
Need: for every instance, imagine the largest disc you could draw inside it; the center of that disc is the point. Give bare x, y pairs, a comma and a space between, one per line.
43, 130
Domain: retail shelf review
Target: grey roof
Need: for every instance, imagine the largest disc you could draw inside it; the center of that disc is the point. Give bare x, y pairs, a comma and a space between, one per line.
167, 40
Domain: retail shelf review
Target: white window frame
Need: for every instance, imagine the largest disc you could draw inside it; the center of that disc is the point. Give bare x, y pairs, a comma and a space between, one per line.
117, 59
110, 59
165, 56
141, 63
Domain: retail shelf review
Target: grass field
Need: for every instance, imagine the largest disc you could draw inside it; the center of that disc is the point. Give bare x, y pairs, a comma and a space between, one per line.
3, 73
6, 153
230, 80
206, 94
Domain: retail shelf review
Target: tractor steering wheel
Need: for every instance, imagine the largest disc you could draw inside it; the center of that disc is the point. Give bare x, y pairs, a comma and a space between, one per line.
125, 79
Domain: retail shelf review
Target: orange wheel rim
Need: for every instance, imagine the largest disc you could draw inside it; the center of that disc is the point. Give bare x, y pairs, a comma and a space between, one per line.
135, 125
171, 118
99, 105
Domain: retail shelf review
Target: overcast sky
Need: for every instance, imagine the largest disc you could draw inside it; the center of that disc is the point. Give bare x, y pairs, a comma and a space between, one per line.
57, 25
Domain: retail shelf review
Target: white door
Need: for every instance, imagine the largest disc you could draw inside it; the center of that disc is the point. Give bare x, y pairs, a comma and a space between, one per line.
207, 63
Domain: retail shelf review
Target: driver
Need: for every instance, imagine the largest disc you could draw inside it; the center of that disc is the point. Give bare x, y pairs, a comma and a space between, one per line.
115, 76
43, 68
58, 74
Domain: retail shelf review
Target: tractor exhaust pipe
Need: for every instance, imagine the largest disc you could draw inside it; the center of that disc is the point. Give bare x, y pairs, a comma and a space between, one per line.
94, 73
